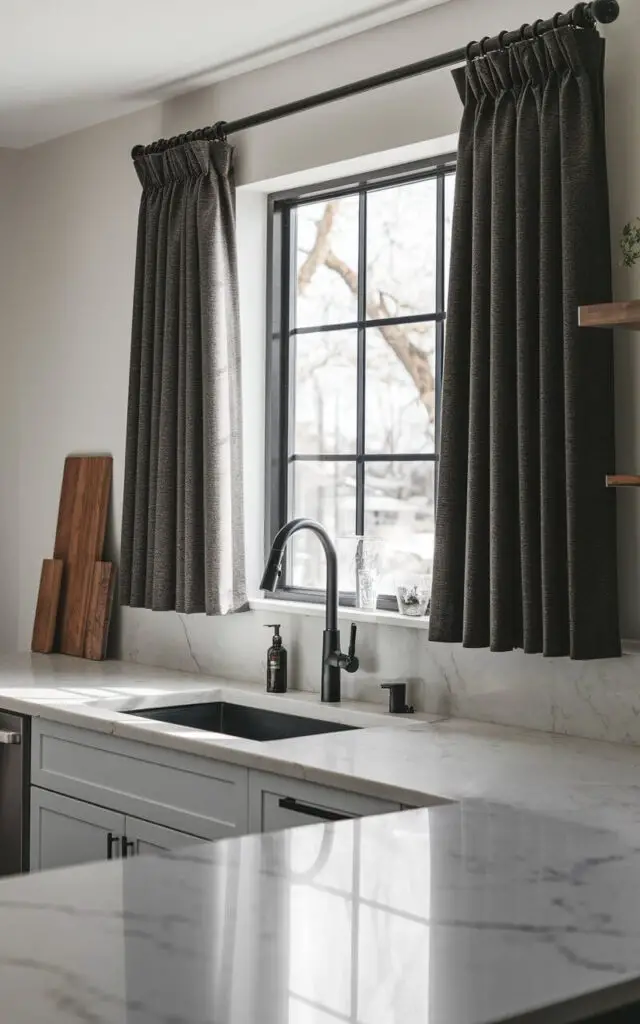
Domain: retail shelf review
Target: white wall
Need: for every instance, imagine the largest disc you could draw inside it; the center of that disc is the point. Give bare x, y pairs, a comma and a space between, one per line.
67, 286
9, 441
70, 288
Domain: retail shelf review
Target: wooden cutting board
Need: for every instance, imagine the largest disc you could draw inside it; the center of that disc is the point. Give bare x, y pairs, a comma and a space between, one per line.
44, 625
99, 614
82, 521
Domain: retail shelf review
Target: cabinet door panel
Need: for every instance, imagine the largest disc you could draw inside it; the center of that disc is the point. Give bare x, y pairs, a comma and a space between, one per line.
66, 831
192, 794
148, 838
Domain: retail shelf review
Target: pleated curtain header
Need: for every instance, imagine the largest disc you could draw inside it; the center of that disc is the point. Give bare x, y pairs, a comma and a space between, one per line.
531, 62
188, 161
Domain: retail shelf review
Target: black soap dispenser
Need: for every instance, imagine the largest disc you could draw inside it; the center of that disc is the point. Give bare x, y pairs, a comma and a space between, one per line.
276, 662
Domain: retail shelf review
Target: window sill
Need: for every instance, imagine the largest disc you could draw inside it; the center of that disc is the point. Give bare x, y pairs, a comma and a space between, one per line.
380, 618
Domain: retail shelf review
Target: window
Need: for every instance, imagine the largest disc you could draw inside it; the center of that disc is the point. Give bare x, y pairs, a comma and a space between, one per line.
357, 285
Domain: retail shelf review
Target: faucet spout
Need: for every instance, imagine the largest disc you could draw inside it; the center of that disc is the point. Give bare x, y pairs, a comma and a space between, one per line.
332, 658
273, 567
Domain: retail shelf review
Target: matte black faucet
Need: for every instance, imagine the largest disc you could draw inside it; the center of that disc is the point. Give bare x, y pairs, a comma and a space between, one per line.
333, 660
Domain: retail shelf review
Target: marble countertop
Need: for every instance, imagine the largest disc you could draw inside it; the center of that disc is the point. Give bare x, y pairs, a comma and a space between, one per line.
467, 914
405, 758
98, 695
522, 895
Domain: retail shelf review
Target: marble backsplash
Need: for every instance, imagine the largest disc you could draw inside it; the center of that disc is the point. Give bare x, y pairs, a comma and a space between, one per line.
596, 700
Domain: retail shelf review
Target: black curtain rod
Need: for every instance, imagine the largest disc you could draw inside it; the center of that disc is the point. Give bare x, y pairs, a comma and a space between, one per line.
583, 15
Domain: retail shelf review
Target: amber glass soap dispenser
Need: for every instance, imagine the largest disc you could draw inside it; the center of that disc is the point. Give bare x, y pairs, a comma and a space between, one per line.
276, 663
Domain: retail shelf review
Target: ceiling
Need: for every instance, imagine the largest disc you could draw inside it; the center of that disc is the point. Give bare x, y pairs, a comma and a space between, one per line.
67, 64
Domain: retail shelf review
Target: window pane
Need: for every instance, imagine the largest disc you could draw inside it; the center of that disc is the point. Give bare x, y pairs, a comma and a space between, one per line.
399, 510
325, 393
401, 250
326, 263
325, 491
449, 190
400, 407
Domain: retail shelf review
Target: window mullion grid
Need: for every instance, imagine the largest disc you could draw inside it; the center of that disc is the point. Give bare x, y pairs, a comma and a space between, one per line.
284, 325
361, 361
376, 457
288, 368
273, 414
352, 325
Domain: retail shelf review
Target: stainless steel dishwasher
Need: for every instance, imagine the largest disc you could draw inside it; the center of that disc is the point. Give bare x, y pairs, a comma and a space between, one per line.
15, 743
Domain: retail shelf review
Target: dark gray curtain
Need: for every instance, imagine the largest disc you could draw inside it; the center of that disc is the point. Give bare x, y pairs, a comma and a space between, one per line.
182, 528
525, 550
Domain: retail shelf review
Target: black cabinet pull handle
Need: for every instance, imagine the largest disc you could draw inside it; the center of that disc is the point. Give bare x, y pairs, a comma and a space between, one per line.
128, 848
288, 803
112, 844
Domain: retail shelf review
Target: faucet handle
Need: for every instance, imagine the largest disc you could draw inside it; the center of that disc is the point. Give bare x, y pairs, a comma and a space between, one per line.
352, 640
350, 662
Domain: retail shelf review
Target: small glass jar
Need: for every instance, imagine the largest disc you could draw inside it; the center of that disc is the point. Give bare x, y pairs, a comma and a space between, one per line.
413, 594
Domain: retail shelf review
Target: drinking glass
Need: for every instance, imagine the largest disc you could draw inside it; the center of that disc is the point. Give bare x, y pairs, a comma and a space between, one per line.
413, 593
367, 590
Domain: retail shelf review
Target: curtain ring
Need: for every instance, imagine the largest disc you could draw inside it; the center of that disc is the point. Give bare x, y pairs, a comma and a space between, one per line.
470, 46
536, 27
483, 45
501, 42
524, 29
219, 132
555, 20
580, 15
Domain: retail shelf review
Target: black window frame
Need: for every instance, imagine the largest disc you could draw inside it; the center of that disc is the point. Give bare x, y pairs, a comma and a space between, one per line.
280, 298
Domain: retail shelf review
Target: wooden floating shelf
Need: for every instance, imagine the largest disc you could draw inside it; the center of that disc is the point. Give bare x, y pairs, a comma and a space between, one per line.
611, 314
622, 480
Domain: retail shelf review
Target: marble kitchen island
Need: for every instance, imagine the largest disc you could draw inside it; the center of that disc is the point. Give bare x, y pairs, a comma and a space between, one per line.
459, 914
517, 901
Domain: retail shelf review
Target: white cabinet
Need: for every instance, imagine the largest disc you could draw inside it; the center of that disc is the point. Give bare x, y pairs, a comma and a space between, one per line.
95, 796
147, 838
196, 795
66, 831
277, 803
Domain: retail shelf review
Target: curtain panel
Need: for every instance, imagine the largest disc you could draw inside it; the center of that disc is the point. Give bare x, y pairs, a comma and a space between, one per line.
182, 527
525, 553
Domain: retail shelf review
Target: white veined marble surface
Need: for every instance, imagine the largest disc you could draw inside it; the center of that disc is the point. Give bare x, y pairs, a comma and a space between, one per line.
398, 759
597, 699
463, 914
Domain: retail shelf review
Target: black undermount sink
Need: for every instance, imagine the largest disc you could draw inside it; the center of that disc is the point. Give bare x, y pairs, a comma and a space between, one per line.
239, 720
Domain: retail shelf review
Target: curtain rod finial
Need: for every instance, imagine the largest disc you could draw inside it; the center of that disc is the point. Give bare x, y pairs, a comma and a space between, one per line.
605, 11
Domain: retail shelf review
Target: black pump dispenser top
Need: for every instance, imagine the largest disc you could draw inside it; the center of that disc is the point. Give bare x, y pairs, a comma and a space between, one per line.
277, 639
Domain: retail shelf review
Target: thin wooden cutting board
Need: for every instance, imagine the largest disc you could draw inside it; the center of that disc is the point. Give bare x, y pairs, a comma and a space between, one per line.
99, 615
82, 521
44, 625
